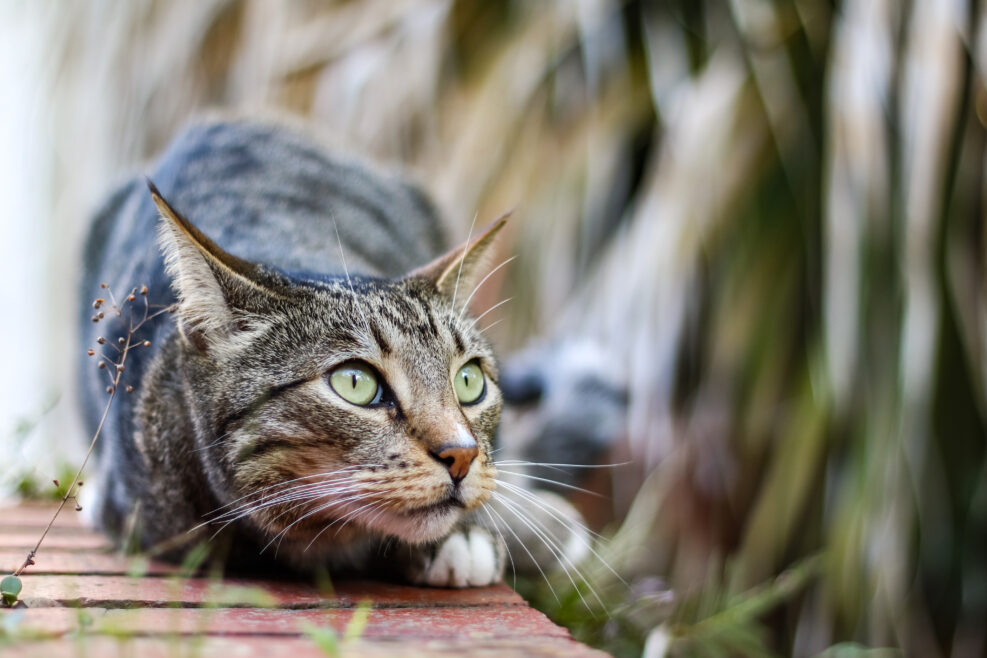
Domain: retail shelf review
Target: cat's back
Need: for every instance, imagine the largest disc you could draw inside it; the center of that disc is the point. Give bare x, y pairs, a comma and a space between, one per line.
269, 194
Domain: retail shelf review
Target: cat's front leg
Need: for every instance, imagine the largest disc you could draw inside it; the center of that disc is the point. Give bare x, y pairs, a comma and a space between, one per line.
471, 556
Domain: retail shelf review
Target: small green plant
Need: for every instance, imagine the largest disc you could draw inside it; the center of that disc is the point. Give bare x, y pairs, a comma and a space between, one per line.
24, 481
29, 487
324, 637
358, 622
327, 639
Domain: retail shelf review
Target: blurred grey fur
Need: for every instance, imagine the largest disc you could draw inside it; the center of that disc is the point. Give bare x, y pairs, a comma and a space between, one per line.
566, 404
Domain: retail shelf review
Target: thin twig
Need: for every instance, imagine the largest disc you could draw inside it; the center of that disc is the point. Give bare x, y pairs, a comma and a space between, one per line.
71, 491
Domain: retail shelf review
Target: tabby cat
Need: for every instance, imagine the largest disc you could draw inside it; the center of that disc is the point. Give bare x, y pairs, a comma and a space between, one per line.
318, 397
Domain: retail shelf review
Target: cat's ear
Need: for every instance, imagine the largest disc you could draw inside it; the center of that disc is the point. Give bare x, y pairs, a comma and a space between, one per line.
217, 291
459, 268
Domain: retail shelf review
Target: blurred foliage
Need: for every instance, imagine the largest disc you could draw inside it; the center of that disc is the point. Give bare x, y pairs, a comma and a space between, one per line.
29, 486
773, 211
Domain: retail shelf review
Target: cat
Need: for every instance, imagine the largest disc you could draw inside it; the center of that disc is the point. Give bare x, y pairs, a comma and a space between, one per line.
318, 398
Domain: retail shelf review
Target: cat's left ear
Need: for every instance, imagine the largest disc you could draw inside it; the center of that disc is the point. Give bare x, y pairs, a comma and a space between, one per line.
220, 296
459, 268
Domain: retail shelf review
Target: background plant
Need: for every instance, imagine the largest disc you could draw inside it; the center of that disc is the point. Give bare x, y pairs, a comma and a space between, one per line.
774, 209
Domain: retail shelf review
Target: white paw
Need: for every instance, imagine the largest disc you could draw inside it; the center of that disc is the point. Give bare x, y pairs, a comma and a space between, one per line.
465, 560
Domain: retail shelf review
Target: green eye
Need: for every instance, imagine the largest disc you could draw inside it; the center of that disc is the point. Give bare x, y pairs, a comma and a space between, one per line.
469, 383
356, 382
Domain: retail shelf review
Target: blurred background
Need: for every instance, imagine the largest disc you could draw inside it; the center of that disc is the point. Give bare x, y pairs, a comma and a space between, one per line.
755, 227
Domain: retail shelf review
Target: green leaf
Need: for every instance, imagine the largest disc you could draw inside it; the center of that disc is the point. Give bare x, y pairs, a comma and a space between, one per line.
358, 622
10, 587
324, 638
194, 559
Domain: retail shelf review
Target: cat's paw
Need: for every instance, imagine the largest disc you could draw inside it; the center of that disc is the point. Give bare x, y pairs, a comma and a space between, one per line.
467, 558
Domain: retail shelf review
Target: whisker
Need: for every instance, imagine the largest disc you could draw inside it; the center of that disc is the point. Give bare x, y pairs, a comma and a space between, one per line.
317, 496
507, 549
246, 510
305, 492
551, 481
304, 500
346, 271
515, 462
280, 537
280, 484
551, 545
551, 542
522, 545
285, 493
466, 304
555, 514
376, 516
567, 559
275, 498
349, 518
462, 260
302, 496
334, 521
491, 325
492, 308
521, 462
320, 508
213, 444
533, 498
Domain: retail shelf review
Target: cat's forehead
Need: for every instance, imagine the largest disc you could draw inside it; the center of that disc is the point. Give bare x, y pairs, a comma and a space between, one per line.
396, 301
394, 317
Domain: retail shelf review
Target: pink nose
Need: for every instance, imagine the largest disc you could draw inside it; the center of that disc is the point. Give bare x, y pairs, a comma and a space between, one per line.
457, 458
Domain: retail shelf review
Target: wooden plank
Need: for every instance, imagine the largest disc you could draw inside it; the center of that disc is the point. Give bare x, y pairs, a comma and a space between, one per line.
470, 622
37, 515
121, 591
82, 603
62, 561
78, 541
266, 647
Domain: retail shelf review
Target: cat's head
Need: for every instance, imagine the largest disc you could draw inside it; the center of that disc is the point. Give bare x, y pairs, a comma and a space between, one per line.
327, 409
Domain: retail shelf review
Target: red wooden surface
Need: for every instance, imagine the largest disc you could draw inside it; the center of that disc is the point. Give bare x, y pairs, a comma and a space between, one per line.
82, 602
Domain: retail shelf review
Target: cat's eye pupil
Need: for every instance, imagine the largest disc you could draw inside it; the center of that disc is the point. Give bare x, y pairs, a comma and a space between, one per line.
356, 383
469, 383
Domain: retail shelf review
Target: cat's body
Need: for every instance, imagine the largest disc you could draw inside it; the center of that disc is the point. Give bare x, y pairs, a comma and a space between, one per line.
239, 398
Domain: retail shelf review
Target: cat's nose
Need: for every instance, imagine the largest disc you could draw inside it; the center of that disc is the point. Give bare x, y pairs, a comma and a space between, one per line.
457, 457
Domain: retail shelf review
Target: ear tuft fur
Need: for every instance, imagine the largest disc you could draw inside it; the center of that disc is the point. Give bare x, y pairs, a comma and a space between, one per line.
204, 278
459, 268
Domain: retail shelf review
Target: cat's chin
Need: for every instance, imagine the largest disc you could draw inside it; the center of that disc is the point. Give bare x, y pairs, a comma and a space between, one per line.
421, 525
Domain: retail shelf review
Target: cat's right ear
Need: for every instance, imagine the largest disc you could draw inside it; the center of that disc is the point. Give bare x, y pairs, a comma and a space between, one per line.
459, 268
218, 293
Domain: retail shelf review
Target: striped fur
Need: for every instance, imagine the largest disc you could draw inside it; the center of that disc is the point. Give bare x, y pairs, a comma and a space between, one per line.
286, 263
